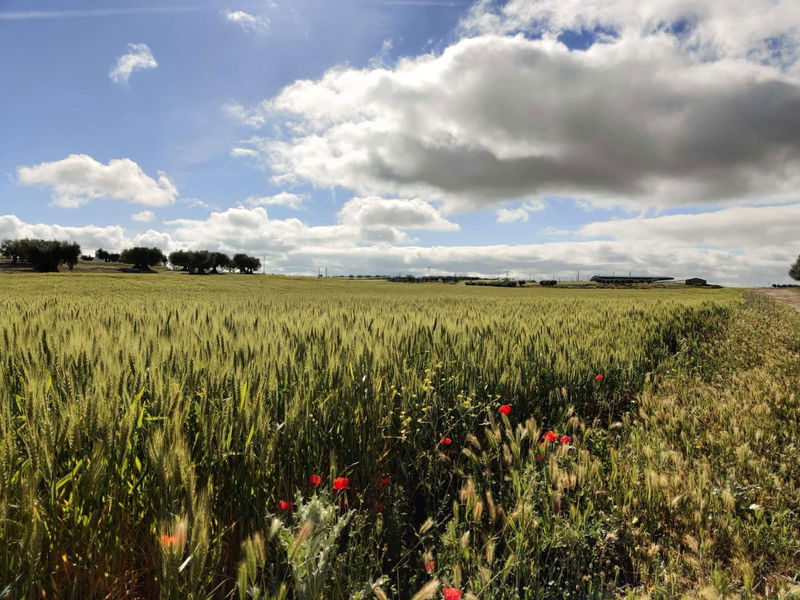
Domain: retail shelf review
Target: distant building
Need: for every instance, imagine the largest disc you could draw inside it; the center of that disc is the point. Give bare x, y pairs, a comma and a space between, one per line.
620, 280
696, 281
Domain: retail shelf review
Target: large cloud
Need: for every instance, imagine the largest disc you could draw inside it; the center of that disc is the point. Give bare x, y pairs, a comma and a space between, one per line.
636, 121
251, 230
138, 58
395, 212
90, 237
361, 220
79, 178
761, 30
738, 227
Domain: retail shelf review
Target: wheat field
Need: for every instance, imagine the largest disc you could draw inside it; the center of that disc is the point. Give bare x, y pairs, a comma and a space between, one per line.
171, 436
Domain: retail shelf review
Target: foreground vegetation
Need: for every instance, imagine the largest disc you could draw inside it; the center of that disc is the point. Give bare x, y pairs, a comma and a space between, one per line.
275, 438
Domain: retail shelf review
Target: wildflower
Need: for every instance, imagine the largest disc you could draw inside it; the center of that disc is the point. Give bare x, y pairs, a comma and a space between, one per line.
446, 441
285, 505
430, 566
314, 479
386, 481
341, 483
598, 378
550, 437
505, 409
565, 439
451, 593
378, 508
168, 541
754, 506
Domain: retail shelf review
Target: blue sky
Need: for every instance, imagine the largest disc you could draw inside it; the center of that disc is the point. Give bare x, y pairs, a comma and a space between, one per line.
533, 136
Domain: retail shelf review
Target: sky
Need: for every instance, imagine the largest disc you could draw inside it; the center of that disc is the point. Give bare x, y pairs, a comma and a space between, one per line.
542, 138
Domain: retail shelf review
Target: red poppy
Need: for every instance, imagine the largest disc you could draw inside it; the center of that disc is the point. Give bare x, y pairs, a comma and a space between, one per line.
598, 378
168, 541
451, 593
285, 505
341, 483
386, 481
430, 566
378, 508
446, 441
505, 409
550, 437
565, 439
314, 479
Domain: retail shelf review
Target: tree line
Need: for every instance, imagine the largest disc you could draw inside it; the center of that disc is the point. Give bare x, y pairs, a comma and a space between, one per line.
48, 255
200, 261
42, 255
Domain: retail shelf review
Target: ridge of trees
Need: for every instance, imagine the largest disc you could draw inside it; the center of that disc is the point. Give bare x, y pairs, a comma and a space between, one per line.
101, 254
43, 255
198, 261
142, 258
48, 255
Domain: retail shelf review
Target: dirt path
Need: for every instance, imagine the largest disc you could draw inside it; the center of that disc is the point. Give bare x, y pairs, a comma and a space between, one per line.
790, 296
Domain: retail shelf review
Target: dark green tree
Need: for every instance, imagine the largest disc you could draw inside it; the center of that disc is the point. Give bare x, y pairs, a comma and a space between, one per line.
47, 255
794, 272
220, 261
245, 263
180, 259
12, 249
101, 254
142, 258
198, 261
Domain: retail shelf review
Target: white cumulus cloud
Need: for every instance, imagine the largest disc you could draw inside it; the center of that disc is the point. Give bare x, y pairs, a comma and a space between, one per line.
760, 30
143, 217
412, 213
79, 178
741, 227
247, 21
138, 58
521, 213
633, 122
287, 199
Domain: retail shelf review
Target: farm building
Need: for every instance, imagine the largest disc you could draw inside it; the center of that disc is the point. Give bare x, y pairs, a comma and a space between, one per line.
696, 281
620, 280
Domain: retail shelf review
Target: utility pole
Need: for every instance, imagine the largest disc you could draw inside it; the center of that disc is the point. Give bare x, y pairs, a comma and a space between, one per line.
264, 264
326, 271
